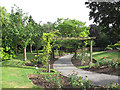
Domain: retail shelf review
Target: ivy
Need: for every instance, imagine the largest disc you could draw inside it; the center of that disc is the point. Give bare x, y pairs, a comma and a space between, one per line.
47, 38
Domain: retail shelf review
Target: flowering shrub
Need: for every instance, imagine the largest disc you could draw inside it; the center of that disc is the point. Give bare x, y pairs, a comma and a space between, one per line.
108, 63
79, 82
55, 79
79, 55
37, 60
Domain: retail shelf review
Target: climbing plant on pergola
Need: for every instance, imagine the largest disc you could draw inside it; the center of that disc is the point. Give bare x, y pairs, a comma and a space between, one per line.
82, 39
52, 37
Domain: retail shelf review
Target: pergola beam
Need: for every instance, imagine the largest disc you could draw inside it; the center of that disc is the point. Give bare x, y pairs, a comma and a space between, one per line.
81, 38
75, 38
90, 64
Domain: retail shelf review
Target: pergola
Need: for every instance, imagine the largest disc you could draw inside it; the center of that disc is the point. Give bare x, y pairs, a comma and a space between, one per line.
82, 39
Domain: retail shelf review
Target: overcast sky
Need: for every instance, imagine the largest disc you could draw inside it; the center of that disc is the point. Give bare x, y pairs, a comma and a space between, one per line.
50, 10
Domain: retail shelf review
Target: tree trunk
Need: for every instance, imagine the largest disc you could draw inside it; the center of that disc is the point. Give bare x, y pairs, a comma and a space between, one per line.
16, 49
37, 50
30, 48
59, 51
25, 58
53, 54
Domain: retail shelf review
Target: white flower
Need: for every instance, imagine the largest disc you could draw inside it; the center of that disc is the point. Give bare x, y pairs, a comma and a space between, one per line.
36, 67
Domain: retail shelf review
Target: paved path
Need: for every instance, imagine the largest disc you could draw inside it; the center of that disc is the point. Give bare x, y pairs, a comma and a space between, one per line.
65, 66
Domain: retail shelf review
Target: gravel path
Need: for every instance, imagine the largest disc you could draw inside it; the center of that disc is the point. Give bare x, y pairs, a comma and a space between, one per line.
65, 66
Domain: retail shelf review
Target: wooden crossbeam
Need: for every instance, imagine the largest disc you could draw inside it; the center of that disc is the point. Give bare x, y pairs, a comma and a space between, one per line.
75, 38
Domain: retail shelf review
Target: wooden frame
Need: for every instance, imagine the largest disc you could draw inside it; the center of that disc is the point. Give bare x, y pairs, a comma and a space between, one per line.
83, 39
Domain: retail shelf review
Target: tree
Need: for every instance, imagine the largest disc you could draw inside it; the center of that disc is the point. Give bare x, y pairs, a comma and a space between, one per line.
102, 39
72, 28
48, 27
7, 48
107, 16
37, 36
21, 27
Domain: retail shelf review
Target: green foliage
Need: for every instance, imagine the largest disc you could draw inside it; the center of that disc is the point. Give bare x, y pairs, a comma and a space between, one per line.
37, 60
71, 28
55, 79
7, 55
115, 46
47, 39
7, 49
106, 15
106, 62
114, 86
87, 56
79, 82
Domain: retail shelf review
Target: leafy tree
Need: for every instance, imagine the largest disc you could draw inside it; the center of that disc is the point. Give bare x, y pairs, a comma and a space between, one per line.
107, 16
48, 27
22, 28
72, 28
37, 36
7, 48
31, 42
102, 39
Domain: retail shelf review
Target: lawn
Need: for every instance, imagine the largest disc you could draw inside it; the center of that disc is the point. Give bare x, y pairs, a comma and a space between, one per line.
14, 73
99, 55
108, 55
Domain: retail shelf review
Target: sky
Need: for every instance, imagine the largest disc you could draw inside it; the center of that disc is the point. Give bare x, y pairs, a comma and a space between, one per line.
50, 10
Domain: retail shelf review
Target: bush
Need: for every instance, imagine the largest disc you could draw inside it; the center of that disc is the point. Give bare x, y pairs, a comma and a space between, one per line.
37, 60
79, 82
55, 79
7, 54
79, 55
108, 63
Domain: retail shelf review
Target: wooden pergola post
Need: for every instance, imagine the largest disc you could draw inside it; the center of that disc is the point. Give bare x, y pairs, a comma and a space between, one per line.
90, 64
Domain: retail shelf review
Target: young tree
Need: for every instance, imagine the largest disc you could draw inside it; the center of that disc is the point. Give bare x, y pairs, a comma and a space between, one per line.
21, 27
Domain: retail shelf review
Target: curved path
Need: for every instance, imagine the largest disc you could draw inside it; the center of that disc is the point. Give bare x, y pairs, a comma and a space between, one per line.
65, 66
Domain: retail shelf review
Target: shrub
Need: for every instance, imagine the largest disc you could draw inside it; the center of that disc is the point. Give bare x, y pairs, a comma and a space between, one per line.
79, 55
108, 63
55, 80
78, 82
37, 60
114, 86
7, 54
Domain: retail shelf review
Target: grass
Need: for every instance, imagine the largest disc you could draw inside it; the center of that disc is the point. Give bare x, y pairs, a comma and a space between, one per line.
14, 73
87, 66
108, 55
29, 56
99, 55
